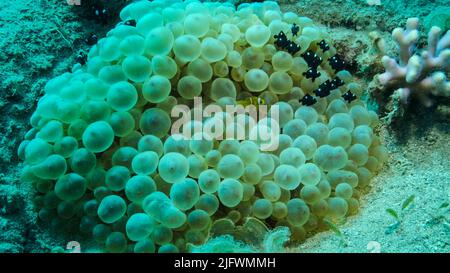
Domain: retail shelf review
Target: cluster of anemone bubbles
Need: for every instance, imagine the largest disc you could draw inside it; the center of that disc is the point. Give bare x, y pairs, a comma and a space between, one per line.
102, 161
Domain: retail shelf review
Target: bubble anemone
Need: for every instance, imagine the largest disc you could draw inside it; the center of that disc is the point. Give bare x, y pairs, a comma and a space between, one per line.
101, 153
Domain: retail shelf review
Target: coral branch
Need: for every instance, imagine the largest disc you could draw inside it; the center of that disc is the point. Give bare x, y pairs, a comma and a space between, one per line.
418, 75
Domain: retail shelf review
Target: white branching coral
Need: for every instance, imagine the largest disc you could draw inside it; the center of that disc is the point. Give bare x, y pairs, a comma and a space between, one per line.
418, 74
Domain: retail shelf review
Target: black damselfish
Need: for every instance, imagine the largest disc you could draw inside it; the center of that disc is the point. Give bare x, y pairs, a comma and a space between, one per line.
92, 39
324, 46
312, 59
130, 23
81, 58
281, 40
329, 85
324, 89
349, 96
312, 74
293, 48
308, 100
295, 29
337, 82
336, 63
321, 93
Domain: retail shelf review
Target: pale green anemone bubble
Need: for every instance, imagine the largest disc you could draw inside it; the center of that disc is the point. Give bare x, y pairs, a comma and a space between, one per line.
339, 137
280, 210
82, 161
307, 144
270, 190
145, 163
198, 219
252, 174
51, 132
168, 248
111, 209
124, 156
213, 50
137, 68
360, 115
51, 168
298, 212
337, 207
284, 142
37, 151
343, 120
189, 87
287, 177
344, 190
319, 132
155, 203
230, 166
98, 137
200, 69
156, 89
222, 87
144, 246
161, 235
200, 145
122, 123
70, 187
292, 156
248, 151
208, 203
196, 24
173, 167
197, 165
230, 192
280, 83
177, 144
307, 114
117, 177
159, 41
330, 158
359, 154
266, 163
187, 48
229, 146
149, 22
339, 176
108, 49
185, 194
116, 242
294, 128
164, 66
139, 226
122, 96
262, 208
77, 128
132, 45
95, 110
90, 208
66, 209
150, 143
173, 218
212, 158
310, 194
310, 174
155, 122
362, 134
282, 61
257, 35
112, 74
